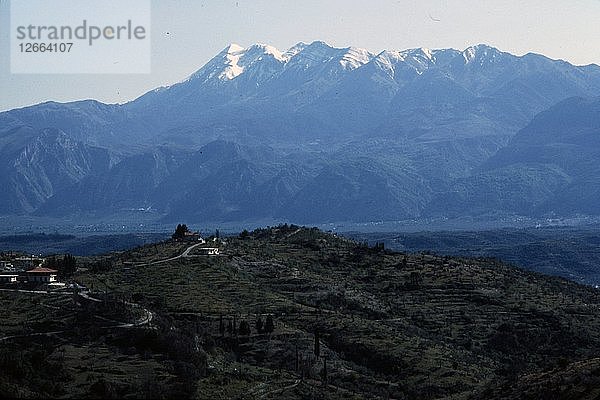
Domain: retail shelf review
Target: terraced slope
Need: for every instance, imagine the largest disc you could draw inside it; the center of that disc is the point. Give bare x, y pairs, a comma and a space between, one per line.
351, 321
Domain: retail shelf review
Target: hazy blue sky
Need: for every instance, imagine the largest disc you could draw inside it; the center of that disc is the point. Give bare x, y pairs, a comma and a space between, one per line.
187, 33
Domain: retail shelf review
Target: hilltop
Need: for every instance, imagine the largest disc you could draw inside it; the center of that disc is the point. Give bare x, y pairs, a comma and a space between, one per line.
348, 321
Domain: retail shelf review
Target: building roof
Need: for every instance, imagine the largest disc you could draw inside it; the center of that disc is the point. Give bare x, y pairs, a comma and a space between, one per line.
42, 270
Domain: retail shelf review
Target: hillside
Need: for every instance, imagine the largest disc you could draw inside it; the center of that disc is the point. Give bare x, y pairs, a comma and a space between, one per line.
550, 167
569, 252
388, 325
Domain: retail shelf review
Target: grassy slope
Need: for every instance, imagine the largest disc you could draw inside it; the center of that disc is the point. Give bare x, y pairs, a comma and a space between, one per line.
404, 326
570, 252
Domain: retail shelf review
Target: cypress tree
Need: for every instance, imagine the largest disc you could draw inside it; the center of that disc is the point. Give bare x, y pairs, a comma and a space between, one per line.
269, 326
259, 324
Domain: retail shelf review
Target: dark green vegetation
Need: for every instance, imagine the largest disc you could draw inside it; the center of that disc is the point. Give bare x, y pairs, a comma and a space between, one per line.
65, 265
180, 231
570, 252
81, 358
290, 312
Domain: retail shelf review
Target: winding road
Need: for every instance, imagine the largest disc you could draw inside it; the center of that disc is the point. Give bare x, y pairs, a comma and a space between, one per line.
147, 318
86, 294
185, 254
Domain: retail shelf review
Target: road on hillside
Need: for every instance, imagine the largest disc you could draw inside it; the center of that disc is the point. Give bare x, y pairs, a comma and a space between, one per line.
185, 254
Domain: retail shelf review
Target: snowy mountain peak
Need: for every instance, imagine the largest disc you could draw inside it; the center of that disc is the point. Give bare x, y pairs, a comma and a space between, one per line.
306, 56
469, 54
320, 44
355, 57
260, 49
297, 48
387, 59
480, 53
318, 53
260, 63
232, 48
231, 59
427, 53
419, 59
422, 53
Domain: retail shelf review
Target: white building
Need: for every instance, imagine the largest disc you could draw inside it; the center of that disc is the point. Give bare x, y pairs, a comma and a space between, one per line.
208, 251
41, 274
8, 278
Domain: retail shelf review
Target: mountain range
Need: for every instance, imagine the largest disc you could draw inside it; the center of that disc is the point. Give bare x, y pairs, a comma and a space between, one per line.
320, 134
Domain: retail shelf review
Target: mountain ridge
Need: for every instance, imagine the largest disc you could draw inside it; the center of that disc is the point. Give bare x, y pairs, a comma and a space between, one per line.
423, 124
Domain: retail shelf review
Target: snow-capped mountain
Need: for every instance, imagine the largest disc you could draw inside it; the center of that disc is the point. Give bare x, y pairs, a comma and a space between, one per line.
295, 95
261, 71
258, 62
262, 62
313, 124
